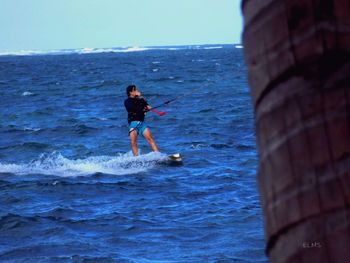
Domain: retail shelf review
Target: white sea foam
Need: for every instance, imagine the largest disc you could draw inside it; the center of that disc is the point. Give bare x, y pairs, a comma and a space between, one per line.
56, 164
35, 52
216, 47
198, 146
27, 93
89, 50
238, 46
109, 50
133, 49
31, 129
71, 51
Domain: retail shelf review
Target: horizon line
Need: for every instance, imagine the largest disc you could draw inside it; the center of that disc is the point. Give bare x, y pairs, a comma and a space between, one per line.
87, 50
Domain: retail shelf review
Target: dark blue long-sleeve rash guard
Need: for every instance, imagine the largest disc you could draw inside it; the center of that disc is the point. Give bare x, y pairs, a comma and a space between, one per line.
136, 108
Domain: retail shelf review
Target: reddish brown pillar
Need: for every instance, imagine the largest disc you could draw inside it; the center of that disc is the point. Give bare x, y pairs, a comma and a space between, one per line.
298, 58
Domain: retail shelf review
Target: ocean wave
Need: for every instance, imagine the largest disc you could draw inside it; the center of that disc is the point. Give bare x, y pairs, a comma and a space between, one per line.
14, 128
215, 47
27, 93
26, 146
31, 129
56, 164
99, 84
88, 50
110, 50
163, 79
72, 51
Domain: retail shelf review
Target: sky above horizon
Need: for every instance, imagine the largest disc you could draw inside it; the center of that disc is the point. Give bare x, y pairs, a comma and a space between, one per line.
64, 24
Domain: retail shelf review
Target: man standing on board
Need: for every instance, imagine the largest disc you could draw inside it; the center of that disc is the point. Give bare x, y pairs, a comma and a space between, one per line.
136, 107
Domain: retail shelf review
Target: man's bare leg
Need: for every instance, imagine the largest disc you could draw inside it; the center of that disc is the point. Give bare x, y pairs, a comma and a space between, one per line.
148, 137
133, 142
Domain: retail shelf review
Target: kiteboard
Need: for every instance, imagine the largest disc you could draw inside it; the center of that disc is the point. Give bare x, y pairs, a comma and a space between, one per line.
174, 159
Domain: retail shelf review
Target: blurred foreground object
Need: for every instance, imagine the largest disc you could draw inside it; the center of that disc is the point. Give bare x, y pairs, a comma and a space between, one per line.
298, 58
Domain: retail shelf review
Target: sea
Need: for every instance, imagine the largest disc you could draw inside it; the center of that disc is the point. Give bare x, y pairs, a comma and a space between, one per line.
71, 190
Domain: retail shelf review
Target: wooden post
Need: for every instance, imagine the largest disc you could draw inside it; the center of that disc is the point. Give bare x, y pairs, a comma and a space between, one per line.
298, 58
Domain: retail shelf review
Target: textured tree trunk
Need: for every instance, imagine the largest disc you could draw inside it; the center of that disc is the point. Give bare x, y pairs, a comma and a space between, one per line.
298, 58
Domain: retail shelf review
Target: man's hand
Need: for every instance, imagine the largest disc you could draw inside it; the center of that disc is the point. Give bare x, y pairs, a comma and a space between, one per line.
148, 108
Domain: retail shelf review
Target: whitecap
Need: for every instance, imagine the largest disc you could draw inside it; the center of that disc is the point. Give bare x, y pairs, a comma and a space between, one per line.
31, 129
216, 47
198, 146
133, 49
27, 93
88, 50
57, 164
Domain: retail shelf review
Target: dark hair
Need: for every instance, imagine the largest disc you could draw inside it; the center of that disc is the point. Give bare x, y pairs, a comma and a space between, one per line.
130, 89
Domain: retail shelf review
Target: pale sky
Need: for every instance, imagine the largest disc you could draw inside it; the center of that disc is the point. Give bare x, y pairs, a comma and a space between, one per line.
60, 24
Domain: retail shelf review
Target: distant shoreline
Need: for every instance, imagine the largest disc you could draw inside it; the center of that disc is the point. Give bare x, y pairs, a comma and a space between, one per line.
114, 49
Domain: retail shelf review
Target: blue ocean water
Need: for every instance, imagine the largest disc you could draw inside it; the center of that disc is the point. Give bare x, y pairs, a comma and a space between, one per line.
71, 190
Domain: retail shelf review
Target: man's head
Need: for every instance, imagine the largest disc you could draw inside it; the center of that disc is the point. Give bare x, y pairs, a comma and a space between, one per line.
132, 91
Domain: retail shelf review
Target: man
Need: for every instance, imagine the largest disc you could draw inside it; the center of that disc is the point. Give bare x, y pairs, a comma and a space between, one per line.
136, 107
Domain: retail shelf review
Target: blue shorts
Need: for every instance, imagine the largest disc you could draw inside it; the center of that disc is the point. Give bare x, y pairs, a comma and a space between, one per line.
138, 126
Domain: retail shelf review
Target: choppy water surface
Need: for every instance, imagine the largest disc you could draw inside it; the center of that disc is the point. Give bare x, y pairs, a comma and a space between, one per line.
70, 189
